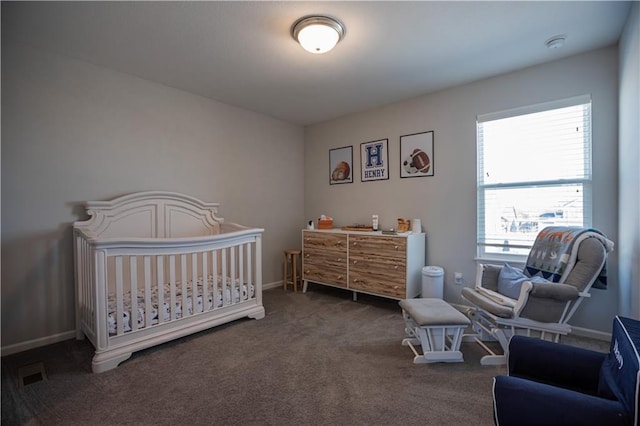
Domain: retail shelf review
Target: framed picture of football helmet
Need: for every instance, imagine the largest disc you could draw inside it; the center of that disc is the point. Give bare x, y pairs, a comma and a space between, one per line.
416, 155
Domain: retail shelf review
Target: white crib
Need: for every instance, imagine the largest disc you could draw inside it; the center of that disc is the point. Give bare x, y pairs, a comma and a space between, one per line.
155, 266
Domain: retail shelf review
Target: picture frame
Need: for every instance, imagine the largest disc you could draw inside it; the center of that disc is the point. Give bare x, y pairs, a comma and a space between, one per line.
416, 155
374, 160
341, 165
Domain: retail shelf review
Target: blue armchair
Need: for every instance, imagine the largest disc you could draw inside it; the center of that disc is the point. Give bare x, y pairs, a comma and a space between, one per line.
555, 384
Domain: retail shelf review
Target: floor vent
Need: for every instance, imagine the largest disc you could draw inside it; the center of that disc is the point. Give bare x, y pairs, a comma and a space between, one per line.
30, 374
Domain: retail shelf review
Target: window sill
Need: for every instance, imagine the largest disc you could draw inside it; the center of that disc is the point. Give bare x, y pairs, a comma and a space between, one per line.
511, 260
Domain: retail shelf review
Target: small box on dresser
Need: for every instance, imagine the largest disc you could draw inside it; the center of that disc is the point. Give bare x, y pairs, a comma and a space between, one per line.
325, 223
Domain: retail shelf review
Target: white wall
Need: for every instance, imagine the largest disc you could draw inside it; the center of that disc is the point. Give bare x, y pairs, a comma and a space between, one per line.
629, 178
73, 132
446, 202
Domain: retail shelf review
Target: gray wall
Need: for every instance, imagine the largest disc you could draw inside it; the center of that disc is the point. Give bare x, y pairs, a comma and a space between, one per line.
629, 179
73, 132
446, 202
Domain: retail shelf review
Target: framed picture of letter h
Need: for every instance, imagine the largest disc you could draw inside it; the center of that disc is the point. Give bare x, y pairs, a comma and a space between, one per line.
374, 159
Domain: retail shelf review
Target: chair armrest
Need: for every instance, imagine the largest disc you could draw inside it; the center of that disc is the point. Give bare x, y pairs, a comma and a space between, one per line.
521, 402
561, 365
560, 292
544, 302
487, 276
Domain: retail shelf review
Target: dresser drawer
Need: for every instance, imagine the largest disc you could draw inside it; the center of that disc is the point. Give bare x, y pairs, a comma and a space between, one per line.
378, 265
329, 258
383, 284
377, 246
320, 241
324, 274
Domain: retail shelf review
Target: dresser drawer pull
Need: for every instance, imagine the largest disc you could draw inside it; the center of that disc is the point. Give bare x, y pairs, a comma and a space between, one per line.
355, 261
396, 247
395, 267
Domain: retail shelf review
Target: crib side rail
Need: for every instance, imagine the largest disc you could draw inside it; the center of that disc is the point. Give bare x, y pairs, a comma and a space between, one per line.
144, 286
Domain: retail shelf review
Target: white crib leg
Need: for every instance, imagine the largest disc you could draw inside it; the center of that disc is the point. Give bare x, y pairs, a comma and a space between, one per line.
108, 361
258, 314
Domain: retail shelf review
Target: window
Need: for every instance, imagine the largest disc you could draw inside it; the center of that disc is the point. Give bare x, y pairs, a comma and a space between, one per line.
534, 170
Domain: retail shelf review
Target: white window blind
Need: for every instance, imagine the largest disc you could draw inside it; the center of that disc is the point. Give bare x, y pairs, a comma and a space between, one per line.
534, 170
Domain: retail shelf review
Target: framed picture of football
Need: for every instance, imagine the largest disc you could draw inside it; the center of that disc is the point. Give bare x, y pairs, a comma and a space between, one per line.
341, 165
416, 155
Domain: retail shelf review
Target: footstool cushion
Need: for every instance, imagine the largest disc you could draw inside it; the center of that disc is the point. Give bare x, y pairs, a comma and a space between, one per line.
436, 326
433, 312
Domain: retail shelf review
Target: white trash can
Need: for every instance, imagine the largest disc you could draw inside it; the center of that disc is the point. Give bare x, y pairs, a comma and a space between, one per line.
433, 282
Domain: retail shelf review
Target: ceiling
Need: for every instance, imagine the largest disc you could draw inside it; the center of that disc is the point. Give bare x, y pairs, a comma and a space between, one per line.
242, 54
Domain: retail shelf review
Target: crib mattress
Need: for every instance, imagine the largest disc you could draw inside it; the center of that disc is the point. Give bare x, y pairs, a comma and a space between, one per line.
203, 302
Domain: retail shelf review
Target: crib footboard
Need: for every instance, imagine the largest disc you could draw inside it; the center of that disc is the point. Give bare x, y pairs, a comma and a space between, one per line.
135, 293
132, 298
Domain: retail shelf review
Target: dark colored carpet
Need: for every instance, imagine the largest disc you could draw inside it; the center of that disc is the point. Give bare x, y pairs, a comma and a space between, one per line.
316, 359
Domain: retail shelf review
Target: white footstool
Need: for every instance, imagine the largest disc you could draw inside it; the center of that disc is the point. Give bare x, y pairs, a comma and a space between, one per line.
436, 326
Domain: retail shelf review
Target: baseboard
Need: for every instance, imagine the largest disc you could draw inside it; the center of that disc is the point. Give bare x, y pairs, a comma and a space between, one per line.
591, 334
274, 284
44, 341
36, 343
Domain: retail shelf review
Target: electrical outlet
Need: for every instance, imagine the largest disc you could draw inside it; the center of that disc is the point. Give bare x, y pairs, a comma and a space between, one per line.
458, 278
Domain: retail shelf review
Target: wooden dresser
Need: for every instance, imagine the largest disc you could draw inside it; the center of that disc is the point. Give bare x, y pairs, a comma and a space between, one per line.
364, 262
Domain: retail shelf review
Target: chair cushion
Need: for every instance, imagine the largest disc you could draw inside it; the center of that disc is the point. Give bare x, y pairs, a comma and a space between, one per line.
510, 281
522, 402
591, 255
484, 302
490, 276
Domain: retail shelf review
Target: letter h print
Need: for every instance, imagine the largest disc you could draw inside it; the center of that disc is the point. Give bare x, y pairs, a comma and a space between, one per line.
374, 155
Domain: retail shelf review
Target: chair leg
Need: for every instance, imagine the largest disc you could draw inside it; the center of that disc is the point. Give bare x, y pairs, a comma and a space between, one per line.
485, 331
291, 256
284, 272
294, 272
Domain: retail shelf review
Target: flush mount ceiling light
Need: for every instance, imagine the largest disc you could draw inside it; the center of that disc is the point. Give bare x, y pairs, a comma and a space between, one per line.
555, 42
318, 34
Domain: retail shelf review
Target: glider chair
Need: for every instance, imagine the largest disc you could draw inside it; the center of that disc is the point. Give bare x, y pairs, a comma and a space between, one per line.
555, 384
562, 267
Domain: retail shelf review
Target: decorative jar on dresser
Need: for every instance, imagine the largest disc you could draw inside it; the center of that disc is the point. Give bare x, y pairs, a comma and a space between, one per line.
364, 262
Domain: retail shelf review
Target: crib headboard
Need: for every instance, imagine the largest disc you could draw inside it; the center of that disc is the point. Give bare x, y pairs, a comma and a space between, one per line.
151, 214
